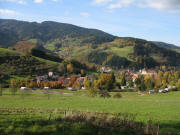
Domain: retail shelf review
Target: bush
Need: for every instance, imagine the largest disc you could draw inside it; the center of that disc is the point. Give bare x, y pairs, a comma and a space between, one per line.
174, 89
118, 85
1, 90
104, 94
92, 92
117, 95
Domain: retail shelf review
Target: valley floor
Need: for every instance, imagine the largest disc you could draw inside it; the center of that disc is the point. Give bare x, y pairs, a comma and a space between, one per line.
160, 108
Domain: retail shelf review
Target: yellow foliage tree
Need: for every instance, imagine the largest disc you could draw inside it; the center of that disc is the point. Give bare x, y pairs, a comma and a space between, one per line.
178, 84
70, 68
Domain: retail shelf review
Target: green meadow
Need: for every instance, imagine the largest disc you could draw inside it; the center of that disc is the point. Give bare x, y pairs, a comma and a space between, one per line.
160, 108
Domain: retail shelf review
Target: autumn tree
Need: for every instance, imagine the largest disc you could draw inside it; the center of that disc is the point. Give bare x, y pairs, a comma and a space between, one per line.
13, 86
61, 68
70, 68
72, 80
32, 84
77, 85
86, 82
122, 79
178, 84
105, 82
1, 89
130, 83
148, 81
82, 72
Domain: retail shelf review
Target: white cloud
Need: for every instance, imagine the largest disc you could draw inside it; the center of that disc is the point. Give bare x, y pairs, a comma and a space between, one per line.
56, 0
8, 12
101, 1
85, 14
38, 1
172, 6
15, 1
166, 5
121, 4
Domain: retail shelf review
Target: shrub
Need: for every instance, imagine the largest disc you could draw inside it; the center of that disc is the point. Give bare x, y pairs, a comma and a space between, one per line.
1, 90
104, 94
174, 89
117, 95
92, 92
118, 85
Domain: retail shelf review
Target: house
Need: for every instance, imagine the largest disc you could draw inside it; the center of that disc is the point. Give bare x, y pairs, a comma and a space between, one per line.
63, 80
152, 91
80, 80
106, 69
43, 78
46, 88
70, 88
135, 76
171, 87
50, 74
24, 88
83, 88
55, 77
161, 91
123, 87
148, 72
164, 90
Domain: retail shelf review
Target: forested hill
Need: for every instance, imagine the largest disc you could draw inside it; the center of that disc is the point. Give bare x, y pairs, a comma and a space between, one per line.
12, 31
166, 45
90, 46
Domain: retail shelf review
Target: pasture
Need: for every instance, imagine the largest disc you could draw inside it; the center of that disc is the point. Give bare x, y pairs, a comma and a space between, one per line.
160, 108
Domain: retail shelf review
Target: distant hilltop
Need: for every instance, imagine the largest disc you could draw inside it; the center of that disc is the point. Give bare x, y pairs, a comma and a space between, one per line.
90, 46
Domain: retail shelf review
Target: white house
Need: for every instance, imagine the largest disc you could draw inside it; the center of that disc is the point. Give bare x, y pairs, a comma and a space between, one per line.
123, 87
105, 69
161, 91
171, 87
164, 90
148, 72
24, 88
83, 88
46, 88
50, 74
70, 88
152, 91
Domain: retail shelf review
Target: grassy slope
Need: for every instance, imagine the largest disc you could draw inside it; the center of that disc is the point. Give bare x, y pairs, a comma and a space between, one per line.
160, 107
121, 52
8, 52
5, 52
46, 61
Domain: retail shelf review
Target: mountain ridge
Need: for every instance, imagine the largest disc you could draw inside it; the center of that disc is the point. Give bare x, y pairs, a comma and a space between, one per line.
87, 45
21, 30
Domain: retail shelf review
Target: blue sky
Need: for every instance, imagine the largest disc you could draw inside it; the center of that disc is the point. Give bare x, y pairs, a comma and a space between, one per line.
157, 20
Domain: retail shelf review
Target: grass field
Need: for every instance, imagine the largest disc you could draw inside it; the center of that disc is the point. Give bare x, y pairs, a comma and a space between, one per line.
122, 52
162, 108
8, 52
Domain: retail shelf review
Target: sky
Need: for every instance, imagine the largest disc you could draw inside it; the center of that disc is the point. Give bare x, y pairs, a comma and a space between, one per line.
153, 20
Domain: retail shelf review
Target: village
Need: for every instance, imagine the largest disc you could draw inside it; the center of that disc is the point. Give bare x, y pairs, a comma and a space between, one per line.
78, 82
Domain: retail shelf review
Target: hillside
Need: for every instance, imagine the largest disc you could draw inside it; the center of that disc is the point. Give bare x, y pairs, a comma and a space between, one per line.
15, 64
166, 45
124, 53
12, 31
51, 40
